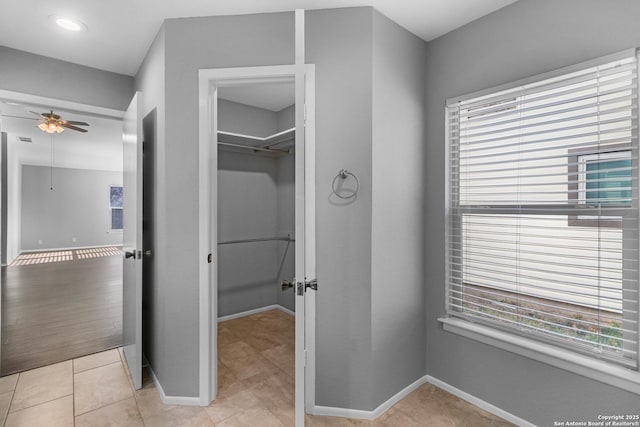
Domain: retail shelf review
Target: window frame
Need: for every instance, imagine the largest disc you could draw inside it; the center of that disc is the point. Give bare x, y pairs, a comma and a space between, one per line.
599, 369
577, 183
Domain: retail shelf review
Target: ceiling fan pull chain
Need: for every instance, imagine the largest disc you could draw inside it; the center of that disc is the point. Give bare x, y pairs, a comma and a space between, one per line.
51, 166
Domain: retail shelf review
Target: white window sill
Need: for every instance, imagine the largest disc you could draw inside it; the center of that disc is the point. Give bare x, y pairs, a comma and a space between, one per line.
607, 373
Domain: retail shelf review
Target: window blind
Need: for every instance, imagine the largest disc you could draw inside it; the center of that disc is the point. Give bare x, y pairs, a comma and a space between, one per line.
542, 234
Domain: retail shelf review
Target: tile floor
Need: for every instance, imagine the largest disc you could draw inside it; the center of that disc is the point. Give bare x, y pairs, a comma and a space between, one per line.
256, 389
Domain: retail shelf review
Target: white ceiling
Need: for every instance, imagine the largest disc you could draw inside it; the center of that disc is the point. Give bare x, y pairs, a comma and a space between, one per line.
100, 148
121, 31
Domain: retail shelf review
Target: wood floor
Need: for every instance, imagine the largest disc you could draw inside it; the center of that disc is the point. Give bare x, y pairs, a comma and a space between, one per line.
60, 305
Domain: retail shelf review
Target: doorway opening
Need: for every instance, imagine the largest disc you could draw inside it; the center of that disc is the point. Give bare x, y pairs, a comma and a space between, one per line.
256, 243
62, 267
257, 221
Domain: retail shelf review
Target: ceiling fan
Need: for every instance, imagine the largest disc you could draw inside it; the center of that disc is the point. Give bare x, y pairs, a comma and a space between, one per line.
53, 123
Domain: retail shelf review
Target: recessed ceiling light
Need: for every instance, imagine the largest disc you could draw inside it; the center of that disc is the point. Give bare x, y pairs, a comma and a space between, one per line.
68, 24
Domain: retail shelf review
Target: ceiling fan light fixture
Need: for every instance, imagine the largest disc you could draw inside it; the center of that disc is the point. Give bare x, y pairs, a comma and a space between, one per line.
50, 128
68, 24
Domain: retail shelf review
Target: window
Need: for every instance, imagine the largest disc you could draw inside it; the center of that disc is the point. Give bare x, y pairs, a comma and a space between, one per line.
605, 178
600, 178
542, 221
115, 207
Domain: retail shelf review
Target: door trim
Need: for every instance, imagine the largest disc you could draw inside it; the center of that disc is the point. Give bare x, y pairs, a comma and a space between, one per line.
71, 106
209, 80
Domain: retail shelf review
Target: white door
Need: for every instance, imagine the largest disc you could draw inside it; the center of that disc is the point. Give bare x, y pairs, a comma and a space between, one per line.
132, 240
305, 268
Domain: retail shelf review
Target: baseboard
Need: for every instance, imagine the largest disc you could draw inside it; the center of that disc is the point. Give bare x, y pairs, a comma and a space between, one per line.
370, 415
10, 261
479, 402
285, 310
256, 311
172, 400
330, 411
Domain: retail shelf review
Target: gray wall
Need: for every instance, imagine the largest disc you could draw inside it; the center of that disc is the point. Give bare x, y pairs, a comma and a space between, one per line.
287, 209
39, 75
255, 199
287, 118
521, 40
14, 200
192, 44
247, 208
339, 43
286, 196
397, 226
78, 206
246, 119
370, 250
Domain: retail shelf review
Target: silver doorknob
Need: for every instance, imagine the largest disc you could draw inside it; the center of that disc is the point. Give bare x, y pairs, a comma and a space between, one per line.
286, 285
130, 254
313, 284
147, 252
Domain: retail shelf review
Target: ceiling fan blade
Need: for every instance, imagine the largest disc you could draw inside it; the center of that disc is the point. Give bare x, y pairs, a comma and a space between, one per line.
19, 117
68, 126
71, 122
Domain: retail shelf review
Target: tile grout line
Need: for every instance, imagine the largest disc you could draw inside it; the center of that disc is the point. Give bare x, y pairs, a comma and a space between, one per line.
133, 391
103, 406
96, 367
41, 403
11, 401
107, 405
73, 391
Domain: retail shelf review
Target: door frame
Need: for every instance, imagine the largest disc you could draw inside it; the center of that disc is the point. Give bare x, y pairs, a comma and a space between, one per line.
209, 81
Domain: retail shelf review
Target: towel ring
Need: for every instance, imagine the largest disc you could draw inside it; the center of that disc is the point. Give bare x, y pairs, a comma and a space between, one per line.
344, 174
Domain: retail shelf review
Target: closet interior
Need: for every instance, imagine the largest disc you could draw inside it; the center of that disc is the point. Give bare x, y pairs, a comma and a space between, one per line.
256, 246
256, 210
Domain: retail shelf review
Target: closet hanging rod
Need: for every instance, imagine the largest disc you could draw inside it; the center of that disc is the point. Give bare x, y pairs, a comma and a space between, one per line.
250, 147
260, 239
273, 144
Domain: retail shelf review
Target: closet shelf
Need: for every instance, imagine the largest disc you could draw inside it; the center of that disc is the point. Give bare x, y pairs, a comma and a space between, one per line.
266, 144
